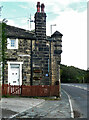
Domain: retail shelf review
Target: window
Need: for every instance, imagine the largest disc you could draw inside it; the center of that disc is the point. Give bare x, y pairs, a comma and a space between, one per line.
12, 43
14, 65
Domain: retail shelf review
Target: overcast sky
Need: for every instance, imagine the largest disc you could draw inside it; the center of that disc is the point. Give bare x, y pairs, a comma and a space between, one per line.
70, 17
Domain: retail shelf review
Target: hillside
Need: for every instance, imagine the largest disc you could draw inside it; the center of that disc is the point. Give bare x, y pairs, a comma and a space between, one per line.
71, 74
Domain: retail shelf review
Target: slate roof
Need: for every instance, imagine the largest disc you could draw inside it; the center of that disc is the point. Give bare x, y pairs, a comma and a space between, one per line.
16, 32
57, 33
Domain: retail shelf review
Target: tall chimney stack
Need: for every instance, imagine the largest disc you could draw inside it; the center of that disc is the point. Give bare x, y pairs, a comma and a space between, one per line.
38, 6
42, 7
40, 22
42, 50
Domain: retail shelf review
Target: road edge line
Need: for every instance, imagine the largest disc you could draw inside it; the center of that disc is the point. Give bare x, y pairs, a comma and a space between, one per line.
78, 87
71, 108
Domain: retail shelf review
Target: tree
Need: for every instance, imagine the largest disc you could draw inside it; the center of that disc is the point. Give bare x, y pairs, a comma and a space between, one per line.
70, 74
87, 76
3, 47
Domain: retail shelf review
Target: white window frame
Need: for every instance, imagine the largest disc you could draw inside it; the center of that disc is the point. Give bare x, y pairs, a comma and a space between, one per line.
9, 69
9, 43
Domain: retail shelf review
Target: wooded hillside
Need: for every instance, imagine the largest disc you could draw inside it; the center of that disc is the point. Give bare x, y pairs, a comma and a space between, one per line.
71, 74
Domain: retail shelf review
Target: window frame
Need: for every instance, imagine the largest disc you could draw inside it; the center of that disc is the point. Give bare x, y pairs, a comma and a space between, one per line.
9, 43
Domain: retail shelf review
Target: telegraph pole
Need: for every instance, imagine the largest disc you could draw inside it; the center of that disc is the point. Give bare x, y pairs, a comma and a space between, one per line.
51, 53
51, 28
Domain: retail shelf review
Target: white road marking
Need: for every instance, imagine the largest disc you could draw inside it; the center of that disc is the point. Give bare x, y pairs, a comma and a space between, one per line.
84, 88
71, 108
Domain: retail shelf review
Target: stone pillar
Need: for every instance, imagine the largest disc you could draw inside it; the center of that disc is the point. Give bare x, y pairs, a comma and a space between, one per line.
56, 50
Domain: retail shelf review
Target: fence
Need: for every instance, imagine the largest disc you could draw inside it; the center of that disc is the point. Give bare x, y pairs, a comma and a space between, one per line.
38, 90
11, 90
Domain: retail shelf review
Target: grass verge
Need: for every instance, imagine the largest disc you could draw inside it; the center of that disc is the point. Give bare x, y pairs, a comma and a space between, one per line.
45, 98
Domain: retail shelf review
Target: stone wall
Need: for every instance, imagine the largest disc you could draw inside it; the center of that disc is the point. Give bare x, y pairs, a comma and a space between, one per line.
40, 63
17, 55
47, 65
56, 49
41, 52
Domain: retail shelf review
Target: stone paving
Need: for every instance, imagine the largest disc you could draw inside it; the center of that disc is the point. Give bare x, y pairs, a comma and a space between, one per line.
49, 109
12, 106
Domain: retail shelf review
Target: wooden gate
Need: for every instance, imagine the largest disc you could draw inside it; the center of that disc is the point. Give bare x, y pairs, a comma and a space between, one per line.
11, 90
15, 90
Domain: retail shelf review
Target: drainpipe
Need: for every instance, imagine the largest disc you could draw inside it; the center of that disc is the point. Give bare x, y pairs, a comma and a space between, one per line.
3, 64
50, 69
50, 65
31, 78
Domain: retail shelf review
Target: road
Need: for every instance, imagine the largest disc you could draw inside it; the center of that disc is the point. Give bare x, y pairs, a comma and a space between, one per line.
79, 97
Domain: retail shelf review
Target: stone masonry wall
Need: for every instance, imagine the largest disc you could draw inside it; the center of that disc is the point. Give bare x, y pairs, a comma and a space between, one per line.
41, 52
16, 55
56, 59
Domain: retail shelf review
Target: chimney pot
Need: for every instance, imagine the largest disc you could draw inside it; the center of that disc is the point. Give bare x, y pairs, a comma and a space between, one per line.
42, 7
38, 6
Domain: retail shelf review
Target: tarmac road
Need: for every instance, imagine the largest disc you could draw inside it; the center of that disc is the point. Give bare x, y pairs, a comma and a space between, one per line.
79, 98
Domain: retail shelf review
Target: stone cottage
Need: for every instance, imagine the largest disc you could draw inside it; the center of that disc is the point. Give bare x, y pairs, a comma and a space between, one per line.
18, 63
33, 57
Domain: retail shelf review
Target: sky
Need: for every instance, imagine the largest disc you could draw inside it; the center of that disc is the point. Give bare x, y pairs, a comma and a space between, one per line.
70, 17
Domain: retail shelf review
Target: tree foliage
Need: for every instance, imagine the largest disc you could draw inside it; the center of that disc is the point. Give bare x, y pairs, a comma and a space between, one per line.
4, 42
87, 76
70, 74
3, 47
